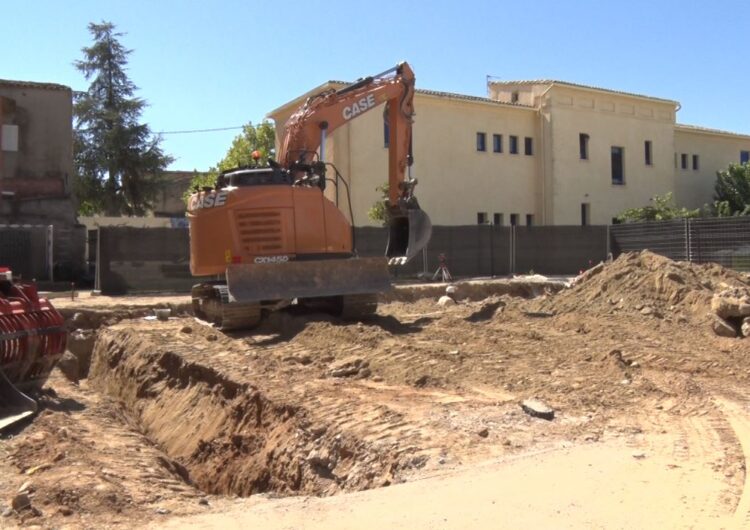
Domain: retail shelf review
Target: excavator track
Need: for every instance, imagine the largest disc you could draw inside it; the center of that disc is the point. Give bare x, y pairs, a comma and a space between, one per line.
358, 306
211, 303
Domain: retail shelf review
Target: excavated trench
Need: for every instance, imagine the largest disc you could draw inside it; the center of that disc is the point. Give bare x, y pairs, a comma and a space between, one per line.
225, 420
228, 437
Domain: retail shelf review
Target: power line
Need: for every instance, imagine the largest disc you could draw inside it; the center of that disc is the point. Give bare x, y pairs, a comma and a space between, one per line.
191, 131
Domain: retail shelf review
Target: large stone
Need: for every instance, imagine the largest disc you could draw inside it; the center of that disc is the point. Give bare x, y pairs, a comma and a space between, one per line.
446, 301
349, 367
68, 365
723, 328
81, 344
746, 327
538, 409
21, 502
731, 303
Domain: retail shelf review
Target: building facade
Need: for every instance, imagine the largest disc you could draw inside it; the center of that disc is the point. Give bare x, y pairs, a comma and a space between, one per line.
534, 153
36, 173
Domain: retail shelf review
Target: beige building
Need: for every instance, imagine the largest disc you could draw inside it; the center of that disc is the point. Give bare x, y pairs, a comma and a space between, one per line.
534, 152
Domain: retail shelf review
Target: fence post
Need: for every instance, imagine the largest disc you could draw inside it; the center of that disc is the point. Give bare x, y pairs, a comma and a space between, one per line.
511, 254
98, 266
687, 238
50, 252
608, 244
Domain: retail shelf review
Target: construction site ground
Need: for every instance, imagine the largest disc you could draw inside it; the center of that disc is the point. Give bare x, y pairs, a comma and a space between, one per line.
409, 419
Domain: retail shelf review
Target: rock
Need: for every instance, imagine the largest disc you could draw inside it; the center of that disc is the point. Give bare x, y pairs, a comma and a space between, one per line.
483, 433
446, 301
538, 409
745, 327
723, 328
81, 320
26, 487
81, 344
7, 512
212, 338
451, 290
162, 511
639, 456
377, 379
186, 329
68, 365
203, 501
299, 359
319, 457
647, 311
731, 303
21, 502
66, 511
349, 367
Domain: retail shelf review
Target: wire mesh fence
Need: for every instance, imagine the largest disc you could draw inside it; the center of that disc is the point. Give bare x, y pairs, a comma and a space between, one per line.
723, 240
27, 250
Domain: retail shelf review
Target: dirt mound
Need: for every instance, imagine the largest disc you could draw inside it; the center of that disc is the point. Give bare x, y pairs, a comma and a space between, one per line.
647, 283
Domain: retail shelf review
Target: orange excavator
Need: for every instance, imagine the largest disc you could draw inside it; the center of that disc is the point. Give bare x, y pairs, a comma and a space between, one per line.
267, 237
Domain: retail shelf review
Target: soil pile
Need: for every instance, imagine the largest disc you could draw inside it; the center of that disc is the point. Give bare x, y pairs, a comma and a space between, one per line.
648, 283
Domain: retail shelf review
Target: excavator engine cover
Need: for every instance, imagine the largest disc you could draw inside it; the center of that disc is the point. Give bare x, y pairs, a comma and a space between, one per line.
32, 339
409, 234
307, 279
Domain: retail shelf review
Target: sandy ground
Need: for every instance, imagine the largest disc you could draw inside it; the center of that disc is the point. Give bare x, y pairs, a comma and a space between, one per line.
286, 426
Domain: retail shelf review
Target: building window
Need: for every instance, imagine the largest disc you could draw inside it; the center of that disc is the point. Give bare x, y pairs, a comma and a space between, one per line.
585, 214
9, 137
529, 219
618, 174
583, 146
683, 160
514, 96
481, 218
647, 153
528, 146
481, 141
513, 219
514, 145
696, 162
744, 157
386, 134
497, 143
497, 219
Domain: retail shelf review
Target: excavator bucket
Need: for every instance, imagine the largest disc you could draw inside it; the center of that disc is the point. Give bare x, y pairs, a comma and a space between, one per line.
307, 279
409, 234
14, 404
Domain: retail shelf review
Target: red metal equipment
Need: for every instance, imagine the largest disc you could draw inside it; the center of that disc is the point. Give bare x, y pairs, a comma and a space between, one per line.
32, 339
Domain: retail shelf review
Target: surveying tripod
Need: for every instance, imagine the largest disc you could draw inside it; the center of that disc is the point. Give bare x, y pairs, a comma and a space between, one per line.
442, 270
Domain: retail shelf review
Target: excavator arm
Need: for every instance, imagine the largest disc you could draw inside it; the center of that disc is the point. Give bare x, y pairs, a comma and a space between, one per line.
307, 129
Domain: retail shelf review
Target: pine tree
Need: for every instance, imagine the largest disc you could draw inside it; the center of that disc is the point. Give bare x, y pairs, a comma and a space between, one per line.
119, 161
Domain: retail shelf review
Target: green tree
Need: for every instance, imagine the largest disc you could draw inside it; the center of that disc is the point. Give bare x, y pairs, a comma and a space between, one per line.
732, 191
261, 138
378, 210
119, 162
662, 208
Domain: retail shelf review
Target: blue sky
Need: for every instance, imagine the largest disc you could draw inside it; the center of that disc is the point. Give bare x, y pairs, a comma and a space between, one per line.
208, 64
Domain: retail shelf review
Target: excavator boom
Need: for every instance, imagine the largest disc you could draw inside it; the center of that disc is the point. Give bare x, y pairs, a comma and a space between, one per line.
275, 236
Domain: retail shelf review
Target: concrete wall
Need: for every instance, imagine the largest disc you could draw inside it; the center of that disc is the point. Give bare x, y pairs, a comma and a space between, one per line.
715, 150
144, 260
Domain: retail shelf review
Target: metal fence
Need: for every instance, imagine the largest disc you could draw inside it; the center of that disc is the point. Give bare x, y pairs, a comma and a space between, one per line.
27, 250
723, 240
